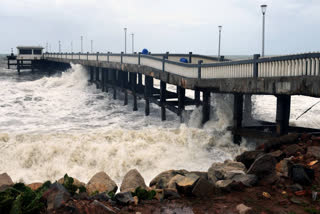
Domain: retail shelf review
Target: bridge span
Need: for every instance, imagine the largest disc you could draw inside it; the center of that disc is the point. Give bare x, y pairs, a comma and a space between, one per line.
134, 74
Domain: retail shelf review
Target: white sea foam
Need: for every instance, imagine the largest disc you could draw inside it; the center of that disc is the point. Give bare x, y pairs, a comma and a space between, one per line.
56, 125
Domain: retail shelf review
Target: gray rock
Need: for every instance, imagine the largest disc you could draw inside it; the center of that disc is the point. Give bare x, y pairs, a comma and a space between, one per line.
132, 180
56, 196
262, 166
173, 181
161, 181
101, 182
248, 157
103, 207
203, 175
171, 194
124, 198
186, 184
223, 184
314, 151
299, 174
248, 180
295, 187
243, 209
5, 180
226, 170
292, 150
101, 197
277, 154
203, 188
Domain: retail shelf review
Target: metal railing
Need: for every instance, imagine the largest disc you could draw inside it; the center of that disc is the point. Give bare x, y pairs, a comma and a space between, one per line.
279, 66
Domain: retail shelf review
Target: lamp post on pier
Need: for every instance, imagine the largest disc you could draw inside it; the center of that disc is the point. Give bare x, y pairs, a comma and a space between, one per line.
220, 28
263, 10
132, 35
125, 40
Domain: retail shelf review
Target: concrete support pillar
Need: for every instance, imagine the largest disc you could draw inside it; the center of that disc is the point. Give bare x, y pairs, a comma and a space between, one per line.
163, 89
134, 89
103, 76
197, 97
97, 73
283, 114
237, 116
113, 76
248, 107
148, 93
206, 107
106, 79
125, 86
18, 66
181, 98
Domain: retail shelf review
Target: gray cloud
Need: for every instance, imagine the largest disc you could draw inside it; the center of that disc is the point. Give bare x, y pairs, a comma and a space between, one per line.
175, 26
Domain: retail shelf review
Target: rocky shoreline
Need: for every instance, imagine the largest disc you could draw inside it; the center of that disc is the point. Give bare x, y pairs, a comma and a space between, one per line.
280, 176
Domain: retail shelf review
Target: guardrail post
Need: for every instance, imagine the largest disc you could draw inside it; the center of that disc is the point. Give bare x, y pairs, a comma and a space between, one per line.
87, 56
79, 55
221, 58
255, 65
108, 54
190, 57
72, 55
199, 68
206, 106
121, 57
97, 56
139, 58
167, 55
283, 114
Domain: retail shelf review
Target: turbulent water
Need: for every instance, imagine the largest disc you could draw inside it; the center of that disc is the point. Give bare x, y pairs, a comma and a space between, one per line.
52, 125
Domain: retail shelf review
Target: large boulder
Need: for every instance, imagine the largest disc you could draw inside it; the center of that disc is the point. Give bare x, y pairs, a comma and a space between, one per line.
226, 170
161, 181
293, 149
300, 174
56, 196
124, 198
248, 157
186, 184
275, 144
76, 182
101, 182
132, 180
203, 188
35, 186
248, 180
5, 180
262, 166
314, 151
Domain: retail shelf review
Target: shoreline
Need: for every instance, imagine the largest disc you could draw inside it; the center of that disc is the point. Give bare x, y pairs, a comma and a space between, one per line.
280, 176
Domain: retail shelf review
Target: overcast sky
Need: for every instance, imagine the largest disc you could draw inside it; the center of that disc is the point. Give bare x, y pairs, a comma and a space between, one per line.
292, 26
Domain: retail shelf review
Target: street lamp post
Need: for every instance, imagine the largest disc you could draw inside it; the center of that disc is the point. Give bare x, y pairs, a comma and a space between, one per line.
263, 9
59, 46
81, 38
125, 40
132, 42
220, 28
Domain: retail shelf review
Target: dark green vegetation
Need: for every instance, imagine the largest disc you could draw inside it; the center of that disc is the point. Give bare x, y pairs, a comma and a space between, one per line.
72, 189
143, 194
22, 199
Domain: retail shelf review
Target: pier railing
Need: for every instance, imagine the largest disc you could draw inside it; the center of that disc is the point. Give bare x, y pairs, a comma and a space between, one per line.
209, 67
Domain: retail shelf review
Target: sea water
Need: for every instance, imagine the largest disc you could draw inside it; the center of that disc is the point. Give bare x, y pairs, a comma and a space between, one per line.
57, 124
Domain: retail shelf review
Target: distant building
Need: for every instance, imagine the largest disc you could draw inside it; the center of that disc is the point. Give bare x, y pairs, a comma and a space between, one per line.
29, 52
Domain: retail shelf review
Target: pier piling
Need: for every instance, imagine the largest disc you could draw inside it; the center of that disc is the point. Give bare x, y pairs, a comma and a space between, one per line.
283, 114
